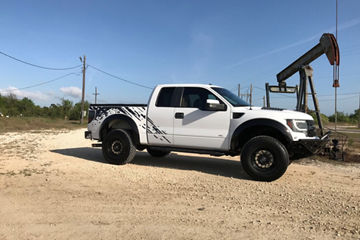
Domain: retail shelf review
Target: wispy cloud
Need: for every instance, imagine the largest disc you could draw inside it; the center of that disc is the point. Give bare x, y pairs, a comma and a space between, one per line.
21, 93
349, 24
74, 92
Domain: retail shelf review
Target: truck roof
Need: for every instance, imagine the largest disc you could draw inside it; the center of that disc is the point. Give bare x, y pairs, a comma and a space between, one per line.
187, 85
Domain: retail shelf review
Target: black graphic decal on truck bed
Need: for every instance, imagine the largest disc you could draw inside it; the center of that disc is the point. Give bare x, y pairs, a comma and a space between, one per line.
138, 114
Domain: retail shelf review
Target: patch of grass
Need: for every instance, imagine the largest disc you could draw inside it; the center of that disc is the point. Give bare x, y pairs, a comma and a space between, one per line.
353, 142
353, 135
353, 138
36, 123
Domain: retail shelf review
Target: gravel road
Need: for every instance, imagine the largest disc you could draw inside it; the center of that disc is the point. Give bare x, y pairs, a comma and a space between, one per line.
55, 186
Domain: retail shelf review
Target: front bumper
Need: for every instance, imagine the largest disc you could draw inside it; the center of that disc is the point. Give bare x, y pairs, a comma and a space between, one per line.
308, 147
88, 135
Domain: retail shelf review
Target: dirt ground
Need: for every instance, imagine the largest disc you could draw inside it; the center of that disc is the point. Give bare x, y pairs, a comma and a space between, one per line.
55, 186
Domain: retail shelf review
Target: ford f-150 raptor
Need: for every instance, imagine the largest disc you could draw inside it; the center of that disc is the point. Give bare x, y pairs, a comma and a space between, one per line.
205, 119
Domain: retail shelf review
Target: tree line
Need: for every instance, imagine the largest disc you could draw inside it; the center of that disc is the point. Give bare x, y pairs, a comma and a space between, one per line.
348, 118
13, 107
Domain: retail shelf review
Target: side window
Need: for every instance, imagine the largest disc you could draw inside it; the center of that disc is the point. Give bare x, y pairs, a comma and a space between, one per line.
165, 97
194, 97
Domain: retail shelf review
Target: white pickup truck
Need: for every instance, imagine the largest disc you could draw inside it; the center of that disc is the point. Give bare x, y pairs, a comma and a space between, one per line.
206, 119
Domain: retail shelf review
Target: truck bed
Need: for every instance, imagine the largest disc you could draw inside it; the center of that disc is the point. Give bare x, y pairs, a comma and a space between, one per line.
137, 112
101, 112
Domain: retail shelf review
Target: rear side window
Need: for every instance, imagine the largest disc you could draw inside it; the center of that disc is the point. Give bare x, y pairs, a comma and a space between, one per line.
165, 97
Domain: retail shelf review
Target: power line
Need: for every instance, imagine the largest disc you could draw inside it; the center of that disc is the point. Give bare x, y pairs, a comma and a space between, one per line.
332, 99
120, 78
38, 66
41, 83
353, 93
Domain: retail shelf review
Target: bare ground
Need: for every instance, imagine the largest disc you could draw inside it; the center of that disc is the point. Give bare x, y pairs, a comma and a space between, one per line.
55, 186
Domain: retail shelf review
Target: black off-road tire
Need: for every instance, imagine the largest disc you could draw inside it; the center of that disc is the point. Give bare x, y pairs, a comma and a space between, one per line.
118, 147
264, 158
157, 153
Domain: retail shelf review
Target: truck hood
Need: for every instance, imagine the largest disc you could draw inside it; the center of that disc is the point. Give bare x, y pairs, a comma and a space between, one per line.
273, 113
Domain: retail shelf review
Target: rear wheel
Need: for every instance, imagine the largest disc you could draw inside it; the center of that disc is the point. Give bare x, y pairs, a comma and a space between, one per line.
264, 158
157, 153
118, 148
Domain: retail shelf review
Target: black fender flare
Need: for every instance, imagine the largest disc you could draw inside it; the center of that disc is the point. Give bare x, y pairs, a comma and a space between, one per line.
114, 117
240, 135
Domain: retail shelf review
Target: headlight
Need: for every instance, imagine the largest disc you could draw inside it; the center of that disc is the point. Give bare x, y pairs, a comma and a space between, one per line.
297, 125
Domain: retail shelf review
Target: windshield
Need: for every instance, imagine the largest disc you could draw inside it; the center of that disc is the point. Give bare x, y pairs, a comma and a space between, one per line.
230, 97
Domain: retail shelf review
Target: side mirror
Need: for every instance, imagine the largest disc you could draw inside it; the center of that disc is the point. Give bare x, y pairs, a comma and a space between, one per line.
214, 105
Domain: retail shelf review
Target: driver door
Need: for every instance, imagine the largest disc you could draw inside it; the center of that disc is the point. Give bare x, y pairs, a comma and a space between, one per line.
195, 127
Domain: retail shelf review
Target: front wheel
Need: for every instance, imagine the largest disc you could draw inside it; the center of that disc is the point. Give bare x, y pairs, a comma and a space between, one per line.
118, 148
264, 158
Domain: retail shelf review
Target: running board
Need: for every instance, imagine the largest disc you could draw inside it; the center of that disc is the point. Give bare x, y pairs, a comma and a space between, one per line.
189, 150
96, 145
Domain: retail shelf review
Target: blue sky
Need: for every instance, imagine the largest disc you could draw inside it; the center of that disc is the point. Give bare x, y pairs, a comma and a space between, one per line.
156, 42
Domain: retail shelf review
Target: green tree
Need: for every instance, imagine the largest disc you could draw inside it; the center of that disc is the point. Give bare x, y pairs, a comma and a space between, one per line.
75, 113
12, 106
67, 106
341, 117
26, 107
55, 111
355, 115
324, 118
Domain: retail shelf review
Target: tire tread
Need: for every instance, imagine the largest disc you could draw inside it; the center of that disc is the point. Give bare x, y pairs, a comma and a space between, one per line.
270, 142
132, 148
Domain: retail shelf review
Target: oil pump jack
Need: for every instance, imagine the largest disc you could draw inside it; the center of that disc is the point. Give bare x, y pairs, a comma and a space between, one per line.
327, 45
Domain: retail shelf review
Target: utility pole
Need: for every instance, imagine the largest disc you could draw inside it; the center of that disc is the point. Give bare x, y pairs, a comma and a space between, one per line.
243, 95
83, 89
263, 101
96, 94
267, 88
336, 69
251, 89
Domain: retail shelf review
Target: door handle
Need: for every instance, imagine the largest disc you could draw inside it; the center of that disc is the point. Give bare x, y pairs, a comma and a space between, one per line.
179, 115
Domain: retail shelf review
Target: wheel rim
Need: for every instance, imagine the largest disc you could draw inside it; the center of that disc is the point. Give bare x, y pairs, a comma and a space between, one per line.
264, 159
116, 147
